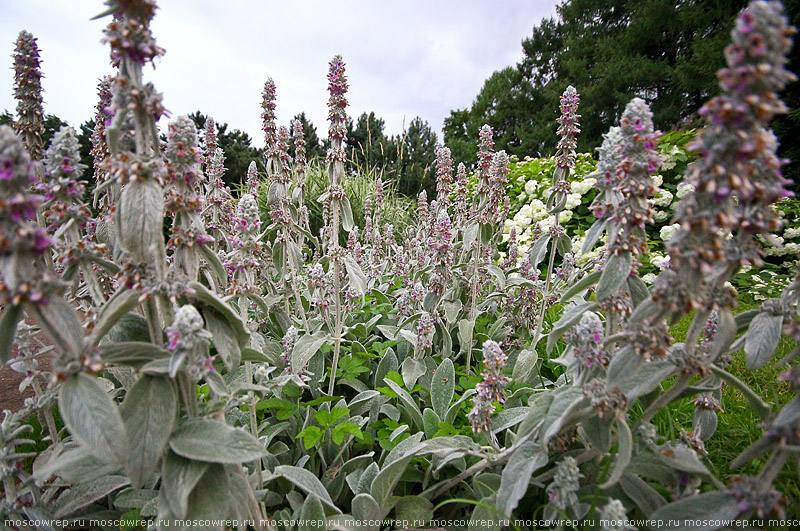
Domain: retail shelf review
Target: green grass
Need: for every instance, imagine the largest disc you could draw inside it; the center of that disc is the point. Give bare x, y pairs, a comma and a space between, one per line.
739, 426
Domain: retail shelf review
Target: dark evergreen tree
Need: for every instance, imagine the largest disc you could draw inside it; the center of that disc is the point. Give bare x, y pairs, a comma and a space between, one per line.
414, 167
314, 148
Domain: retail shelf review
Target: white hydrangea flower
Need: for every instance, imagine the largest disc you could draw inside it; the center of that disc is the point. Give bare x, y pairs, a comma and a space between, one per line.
667, 231
659, 260
564, 216
791, 232
573, 200
508, 225
649, 278
658, 180
662, 198
581, 187
684, 189
531, 186
792, 247
661, 215
522, 196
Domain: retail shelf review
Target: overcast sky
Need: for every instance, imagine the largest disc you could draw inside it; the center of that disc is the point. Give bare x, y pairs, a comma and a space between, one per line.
405, 58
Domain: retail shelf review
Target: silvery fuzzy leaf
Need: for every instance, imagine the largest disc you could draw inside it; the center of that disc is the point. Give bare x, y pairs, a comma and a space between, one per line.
703, 512
215, 266
615, 274
275, 192
624, 451
499, 276
593, 234
598, 432
465, 328
754, 451
384, 483
470, 235
638, 289
355, 275
208, 502
8, 327
406, 399
178, 479
484, 516
305, 481
524, 367
451, 310
453, 410
312, 515
624, 364
73, 464
59, 321
567, 320
558, 415
430, 421
762, 339
306, 347
683, 458
582, 285
367, 511
388, 331
114, 309
563, 244
366, 477
744, 319
410, 370
387, 364
224, 339
131, 498
413, 509
131, 327
517, 473
211, 440
508, 418
647, 378
209, 298
539, 250
362, 401
444, 446
132, 353
149, 412
344, 522
704, 423
140, 217
347, 215
443, 386
83, 494
646, 497
93, 418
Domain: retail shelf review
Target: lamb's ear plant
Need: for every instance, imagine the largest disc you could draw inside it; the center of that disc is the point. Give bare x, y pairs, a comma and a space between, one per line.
196, 388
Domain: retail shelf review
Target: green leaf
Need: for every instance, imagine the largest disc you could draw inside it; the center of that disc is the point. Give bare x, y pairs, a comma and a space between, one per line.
310, 435
8, 327
149, 412
703, 512
615, 274
624, 451
443, 387
762, 339
306, 347
214, 441
517, 473
305, 481
340, 430
312, 515
224, 339
93, 418
178, 478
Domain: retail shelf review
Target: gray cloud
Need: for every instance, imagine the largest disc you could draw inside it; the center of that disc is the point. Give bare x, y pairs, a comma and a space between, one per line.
404, 58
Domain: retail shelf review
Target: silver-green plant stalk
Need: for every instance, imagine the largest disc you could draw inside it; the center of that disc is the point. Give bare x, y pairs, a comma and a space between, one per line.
28, 93
337, 87
565, 161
